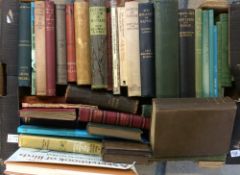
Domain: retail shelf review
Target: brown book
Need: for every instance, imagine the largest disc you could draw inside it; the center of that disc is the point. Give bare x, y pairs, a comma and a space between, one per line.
188, 127
61, 44
71, 50
83, 59
98, 38
126, 152
104, 100
2, 79
40, 46
115, 131
56, 105
50, 49
43, 99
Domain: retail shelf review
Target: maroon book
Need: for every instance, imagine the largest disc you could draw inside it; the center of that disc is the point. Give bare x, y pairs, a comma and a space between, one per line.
71, 49
113, 118
50, 49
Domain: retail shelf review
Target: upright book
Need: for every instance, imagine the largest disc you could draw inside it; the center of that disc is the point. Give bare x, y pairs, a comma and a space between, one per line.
33, 60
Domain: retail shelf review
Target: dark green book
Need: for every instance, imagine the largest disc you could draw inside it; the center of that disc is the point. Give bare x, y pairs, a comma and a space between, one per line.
166, 48
146, 110
98, 40
24, 45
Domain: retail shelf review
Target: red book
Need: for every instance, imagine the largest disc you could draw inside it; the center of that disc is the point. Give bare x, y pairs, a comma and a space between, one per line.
50, 49
113, 118
71, 49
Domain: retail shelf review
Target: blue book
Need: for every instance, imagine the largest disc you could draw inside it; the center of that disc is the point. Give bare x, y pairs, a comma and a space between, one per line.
38, 130
211, 52
215, 62
33, 87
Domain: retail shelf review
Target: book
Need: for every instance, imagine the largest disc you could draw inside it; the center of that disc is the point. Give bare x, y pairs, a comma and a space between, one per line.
166, 48
70, 43
187, 55
220, 87
98, 40
26, 160
60, 144
132, 54
50, 48
113, 131
2, 79
199, 126
104, 100
126, 152
49, 113
40, 48
211, 51
146, 39
215, 63
24, 45
198, 53
33, 60
113, 118
146, 110
58, 132
61, 64
43, 99
82, 38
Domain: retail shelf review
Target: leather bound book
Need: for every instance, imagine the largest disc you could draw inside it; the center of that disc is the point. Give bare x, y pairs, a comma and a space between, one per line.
187, 52
188, 127
61, 44
40, 46
24, 45
146, 37
234, 39
83, 59
50, 49
71, 50
98, 38
132, 54
113, 118
104, 100
166, 48
109, 45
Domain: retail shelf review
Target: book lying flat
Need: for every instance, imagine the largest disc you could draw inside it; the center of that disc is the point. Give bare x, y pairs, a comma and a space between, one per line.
33, 161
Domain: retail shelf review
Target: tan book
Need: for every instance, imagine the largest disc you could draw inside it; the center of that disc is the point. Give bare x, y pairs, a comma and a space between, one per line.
56, 105
40, 45
121, 36
83, 61
60, 144
132, 53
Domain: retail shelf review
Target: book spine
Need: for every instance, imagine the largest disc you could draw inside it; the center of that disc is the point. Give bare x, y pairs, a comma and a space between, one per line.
2, 79
234, 39
60, 144
50, 49
115, 51
211, 52
75, 94
226, 75
205, 54
166, 48
98, 38
82, 38
146, 39
33, 75
220, 87
146, 110
113, 118
24, 45
187, 55
215, 63
121, 36
109, 45
198, 53
61, 44
71, 49
132, 53
40, 46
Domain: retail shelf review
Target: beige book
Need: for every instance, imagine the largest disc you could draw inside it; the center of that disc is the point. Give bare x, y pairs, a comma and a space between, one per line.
83, 61
40, 45
121, 36
132, 54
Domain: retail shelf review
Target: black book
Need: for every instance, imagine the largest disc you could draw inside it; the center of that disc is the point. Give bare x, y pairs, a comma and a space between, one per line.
187, 52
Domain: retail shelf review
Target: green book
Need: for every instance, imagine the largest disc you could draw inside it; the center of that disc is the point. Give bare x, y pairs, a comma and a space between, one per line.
226, 75
166, 48
211, 51
205, 53
33, 89
146, 110
198, 52
220, 88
